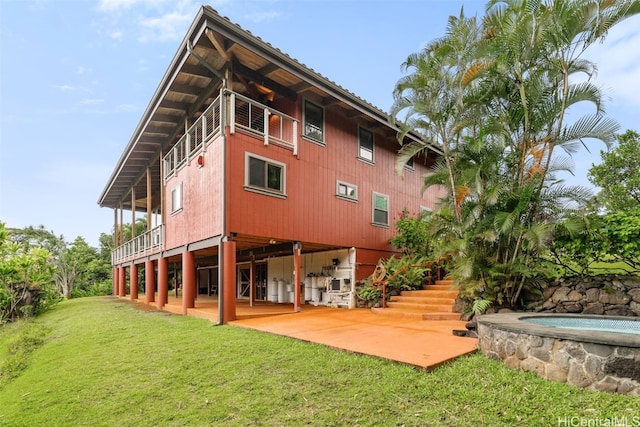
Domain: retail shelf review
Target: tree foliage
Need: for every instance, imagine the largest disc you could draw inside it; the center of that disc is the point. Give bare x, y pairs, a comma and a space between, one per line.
582, 244
618, 175
493, 96
26, 278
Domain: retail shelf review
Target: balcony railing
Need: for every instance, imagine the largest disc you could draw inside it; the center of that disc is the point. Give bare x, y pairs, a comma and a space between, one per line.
272, 126
148, 242
246, 115
199, 134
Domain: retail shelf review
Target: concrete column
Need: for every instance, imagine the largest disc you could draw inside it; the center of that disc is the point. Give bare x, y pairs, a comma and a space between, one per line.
252, 282
122, 282
133, 272
188, 281
150, 282
114, 279
163, 282
229, 282
296, 277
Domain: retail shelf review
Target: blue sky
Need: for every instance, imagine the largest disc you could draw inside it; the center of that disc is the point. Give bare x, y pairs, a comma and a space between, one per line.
76, 76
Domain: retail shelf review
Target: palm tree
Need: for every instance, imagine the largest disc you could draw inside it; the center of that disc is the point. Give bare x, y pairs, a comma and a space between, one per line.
494, 98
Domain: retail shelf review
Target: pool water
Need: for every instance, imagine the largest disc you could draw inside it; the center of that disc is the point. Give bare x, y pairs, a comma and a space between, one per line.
588, 323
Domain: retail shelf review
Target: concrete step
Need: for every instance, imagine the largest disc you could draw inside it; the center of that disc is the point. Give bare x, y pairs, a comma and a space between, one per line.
421, 307
422, 299
439, 288
428, 293
400, 313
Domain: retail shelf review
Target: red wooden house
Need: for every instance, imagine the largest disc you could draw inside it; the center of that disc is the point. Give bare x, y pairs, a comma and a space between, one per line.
259, 175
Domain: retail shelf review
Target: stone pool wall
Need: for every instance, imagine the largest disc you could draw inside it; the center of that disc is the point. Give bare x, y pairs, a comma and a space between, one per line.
597, 366
606, 294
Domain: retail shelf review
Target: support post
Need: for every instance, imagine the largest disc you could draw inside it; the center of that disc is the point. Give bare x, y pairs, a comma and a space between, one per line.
188, 281
115, 278
163, 282
229, 282
252, 281
133, 273
296, 277
150, 282
122, 282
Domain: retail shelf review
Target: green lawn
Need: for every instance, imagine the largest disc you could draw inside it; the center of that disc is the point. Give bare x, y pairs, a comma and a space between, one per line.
100, 362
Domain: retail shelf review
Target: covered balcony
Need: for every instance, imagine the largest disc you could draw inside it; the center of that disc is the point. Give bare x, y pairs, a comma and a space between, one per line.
268, 125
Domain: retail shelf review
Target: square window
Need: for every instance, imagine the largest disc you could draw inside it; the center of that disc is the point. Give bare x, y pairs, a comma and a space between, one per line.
380, 209
176, 198
365, 144
346, 191
313, 122
264, 175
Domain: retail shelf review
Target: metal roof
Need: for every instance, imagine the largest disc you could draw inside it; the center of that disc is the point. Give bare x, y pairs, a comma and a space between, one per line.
212, 47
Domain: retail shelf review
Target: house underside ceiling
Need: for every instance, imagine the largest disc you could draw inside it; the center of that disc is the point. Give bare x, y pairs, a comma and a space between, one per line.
214, 47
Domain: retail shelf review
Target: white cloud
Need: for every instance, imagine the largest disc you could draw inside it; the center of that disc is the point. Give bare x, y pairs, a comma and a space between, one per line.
81, 70
65, 88
618, 62
116, 35
115, 5
170, 26
92, 101
264, 16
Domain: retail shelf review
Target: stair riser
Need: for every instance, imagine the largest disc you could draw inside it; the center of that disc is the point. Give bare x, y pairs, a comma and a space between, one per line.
423, 300
429, 294
421, 307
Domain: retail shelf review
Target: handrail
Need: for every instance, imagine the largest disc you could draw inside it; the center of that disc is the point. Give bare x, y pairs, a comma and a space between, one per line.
378, 275
148, 242
246, 114
194, 139
271, 125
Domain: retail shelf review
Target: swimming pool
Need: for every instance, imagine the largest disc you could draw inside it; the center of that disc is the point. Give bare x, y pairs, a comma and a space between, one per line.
604, 324
595, 352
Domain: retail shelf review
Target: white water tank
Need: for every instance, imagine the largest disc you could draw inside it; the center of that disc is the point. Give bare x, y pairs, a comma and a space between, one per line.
307, 289
272, 290
281, 291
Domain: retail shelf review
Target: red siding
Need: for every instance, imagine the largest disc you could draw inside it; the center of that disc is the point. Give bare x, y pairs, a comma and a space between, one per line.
311, 211
201, 215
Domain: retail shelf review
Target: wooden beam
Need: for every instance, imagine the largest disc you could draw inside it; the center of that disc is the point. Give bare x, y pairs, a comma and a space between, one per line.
218, 42
149, 199
264, 81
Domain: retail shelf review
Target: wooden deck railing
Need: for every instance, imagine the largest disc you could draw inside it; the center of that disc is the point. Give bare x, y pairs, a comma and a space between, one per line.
147, 243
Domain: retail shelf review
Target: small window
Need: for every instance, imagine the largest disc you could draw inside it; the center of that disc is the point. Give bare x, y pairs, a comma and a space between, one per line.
176, 198
365, 145
347, 191
313, 122
410, 164
380, 209
264, 175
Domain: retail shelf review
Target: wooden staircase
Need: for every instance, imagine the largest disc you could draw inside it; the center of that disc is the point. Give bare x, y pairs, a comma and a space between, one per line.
433, 302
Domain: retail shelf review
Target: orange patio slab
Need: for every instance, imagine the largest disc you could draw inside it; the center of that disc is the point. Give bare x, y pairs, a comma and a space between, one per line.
422, 343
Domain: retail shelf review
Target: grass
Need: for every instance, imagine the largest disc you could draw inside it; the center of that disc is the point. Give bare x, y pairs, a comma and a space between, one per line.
100, 362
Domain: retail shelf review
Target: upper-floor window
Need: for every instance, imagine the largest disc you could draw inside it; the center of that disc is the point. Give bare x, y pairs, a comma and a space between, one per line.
313, 122
176, 198
380, 209
264, 175
365, 144
347, 191
410, 164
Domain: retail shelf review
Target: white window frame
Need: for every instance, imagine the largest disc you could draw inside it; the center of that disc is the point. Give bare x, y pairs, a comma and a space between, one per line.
312, 138
265, 190
342, 191
411, 164
373, 209
364, 153
176, 199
